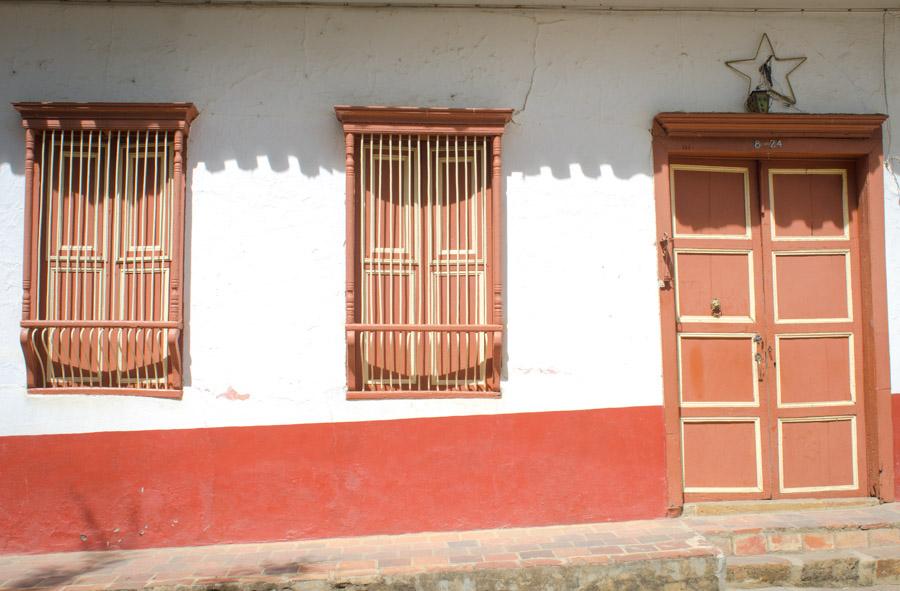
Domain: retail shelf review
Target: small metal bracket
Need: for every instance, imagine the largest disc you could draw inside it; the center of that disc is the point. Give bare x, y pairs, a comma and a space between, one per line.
666, 282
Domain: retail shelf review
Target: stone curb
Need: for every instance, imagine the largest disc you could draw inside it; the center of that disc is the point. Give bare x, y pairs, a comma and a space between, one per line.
694, 573
852, 568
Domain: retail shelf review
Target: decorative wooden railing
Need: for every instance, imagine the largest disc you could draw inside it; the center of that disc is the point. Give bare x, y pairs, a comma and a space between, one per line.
141, 358
104, 236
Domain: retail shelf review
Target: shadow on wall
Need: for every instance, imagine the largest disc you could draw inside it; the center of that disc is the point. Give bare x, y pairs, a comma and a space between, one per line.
265, 81
311, 141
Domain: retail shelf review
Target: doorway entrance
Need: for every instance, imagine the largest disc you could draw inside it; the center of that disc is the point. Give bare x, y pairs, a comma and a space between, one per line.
767, 277
765, 265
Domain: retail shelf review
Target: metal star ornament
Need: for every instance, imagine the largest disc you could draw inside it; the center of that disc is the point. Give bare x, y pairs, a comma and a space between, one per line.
768, 73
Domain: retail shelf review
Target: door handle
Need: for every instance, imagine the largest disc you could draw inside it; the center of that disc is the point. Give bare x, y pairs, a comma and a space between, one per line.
761, 357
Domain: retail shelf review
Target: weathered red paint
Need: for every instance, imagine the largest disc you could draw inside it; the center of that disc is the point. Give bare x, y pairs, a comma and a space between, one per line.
203, 486
895, 417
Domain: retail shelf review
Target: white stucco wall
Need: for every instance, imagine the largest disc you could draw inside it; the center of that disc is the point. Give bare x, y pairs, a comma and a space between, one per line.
266, 176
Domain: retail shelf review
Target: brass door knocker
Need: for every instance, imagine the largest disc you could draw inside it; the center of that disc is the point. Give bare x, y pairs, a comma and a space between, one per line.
716, 308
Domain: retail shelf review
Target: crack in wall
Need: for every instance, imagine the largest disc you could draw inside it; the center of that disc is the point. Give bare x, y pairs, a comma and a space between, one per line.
303, 51
534, 43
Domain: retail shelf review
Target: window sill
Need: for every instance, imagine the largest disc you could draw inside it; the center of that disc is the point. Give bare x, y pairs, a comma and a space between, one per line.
141, 392
418, 395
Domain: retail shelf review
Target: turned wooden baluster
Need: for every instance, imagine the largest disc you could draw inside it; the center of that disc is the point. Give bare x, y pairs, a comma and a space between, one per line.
496, 227
176, 281
353, 370
27, 268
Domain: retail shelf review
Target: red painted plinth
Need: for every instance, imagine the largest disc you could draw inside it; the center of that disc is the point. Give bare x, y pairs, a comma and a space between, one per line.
203, 486
895, 415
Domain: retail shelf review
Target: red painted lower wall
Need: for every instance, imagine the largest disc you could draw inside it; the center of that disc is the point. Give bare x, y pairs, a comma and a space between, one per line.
202, 486
895, 416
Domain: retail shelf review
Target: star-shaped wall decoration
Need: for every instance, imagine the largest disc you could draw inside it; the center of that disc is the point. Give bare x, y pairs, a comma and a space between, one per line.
767, 71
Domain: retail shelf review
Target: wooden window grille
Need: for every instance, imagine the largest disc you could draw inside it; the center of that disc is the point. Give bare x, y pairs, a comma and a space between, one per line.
104, 236
424, 281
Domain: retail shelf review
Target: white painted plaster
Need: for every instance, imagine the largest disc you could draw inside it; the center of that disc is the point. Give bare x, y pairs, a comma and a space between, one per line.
266, 225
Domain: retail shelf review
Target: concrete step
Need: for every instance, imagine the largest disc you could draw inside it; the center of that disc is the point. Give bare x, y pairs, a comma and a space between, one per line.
790, 532
832, 568
771, 506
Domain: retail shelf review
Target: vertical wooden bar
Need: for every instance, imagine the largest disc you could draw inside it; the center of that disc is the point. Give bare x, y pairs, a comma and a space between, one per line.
353, 373
484, 311
496, 271
457, 304
448, 303
380, 238
432, 228
390, 209
466, 291
68, 310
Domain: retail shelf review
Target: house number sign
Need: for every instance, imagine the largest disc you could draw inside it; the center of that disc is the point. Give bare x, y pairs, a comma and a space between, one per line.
771, 144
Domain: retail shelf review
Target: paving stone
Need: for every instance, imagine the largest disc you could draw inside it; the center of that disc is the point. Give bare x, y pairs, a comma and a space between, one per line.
749, 544
886, 563
828, 568
786, 542
884, 537
818, 541
753, 571
850, 539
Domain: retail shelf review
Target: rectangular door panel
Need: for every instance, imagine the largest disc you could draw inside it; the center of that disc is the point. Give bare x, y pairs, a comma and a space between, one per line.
818, 455
717, 370
710, 201
812, 286
815, 369
808, 204
714, 286
721, 455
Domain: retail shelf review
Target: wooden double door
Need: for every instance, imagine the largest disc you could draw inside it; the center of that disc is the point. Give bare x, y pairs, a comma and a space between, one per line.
765, 265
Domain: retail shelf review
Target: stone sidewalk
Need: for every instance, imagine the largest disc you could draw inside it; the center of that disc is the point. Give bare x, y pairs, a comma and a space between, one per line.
641, 550
671, 554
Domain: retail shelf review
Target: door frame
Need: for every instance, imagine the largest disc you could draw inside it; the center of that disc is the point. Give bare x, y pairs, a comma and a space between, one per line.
771, 136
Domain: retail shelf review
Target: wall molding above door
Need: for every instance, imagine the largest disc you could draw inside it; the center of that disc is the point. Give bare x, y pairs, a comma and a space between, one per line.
742, 125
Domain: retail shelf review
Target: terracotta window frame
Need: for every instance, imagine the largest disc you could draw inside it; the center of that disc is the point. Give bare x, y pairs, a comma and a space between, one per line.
61, 125
446, 125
